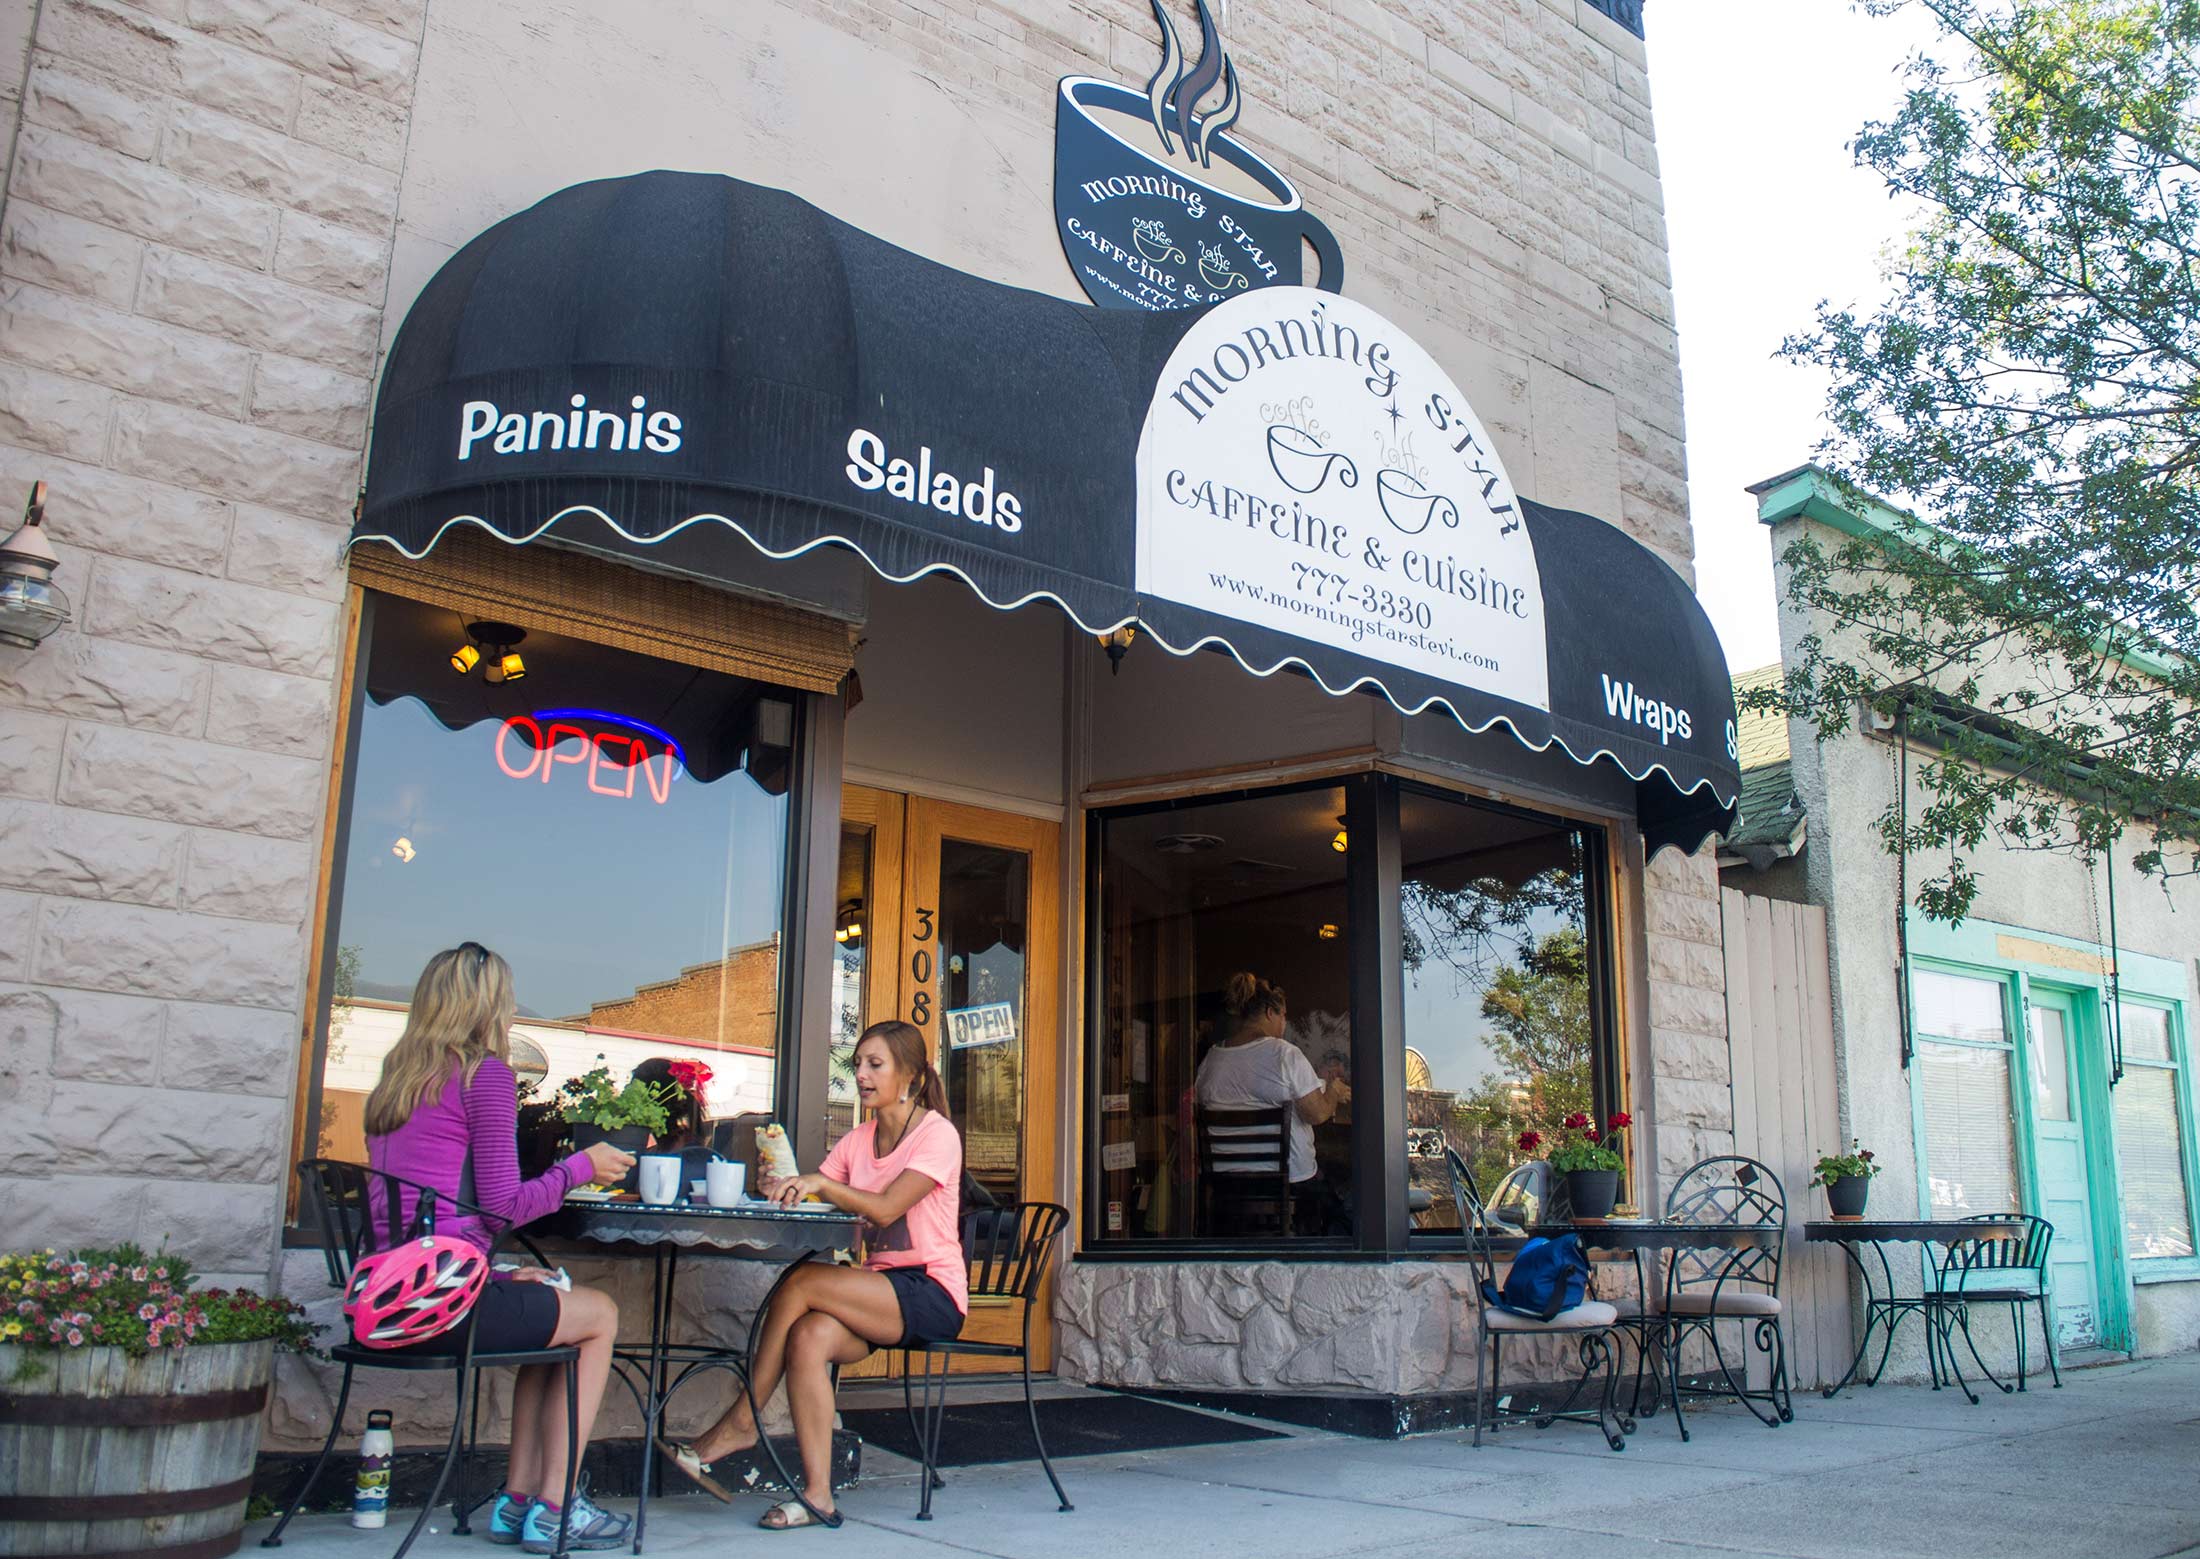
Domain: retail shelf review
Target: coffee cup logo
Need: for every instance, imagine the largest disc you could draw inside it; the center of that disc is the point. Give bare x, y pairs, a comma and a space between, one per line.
1159, 204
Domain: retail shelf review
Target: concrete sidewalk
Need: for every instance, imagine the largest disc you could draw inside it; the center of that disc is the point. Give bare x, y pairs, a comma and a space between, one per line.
2108, 1468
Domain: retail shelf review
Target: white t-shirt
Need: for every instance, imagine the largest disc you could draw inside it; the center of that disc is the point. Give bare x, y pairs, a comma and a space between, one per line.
1259, 1075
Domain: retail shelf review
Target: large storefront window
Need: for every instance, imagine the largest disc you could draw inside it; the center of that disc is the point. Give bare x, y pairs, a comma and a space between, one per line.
1498, 950
613, 824
2150, 1142
1963, 1061
1205, 909
1501, 994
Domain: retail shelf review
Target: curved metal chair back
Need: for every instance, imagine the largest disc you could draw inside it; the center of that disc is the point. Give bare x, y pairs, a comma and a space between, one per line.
361, 1210
1007, 1248
2026, 1253
1729, 1191
1474, 1219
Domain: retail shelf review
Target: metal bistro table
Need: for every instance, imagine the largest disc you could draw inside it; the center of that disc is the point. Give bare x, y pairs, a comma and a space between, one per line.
1883, 1307
751, 1231
1646, 1237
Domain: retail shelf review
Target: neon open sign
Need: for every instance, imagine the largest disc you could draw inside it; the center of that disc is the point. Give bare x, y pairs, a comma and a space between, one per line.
534, 747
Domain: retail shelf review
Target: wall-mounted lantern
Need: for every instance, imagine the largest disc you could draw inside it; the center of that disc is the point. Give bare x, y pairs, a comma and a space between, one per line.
31, 605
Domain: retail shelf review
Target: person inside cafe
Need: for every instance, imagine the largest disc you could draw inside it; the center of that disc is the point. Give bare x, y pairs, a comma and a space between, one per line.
1255, 1068
445, 1109
684, 1126
899, 1172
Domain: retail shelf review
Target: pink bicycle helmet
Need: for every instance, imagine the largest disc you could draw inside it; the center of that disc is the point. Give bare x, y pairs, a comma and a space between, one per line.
420, 1290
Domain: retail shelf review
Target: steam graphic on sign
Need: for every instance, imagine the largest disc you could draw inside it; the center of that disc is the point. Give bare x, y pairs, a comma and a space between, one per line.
1146, 179
1175, 92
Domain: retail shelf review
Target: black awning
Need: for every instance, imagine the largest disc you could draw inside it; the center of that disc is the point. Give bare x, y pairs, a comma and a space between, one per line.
644, 354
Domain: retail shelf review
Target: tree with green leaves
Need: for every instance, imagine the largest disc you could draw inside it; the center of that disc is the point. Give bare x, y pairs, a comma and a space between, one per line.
2030, 383
1540, 1038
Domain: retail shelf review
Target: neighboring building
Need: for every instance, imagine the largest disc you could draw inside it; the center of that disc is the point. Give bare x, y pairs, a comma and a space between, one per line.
2015, 1093
619, 651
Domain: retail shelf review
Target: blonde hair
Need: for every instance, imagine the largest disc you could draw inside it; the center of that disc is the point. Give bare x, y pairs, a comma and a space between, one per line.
462, 1012
1247, 995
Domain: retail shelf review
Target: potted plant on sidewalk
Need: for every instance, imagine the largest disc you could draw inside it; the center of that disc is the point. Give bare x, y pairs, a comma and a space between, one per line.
110, 1358
1590, 1160
1847, 1178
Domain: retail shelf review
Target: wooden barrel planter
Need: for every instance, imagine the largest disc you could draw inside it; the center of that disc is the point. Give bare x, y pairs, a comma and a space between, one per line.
103, 1456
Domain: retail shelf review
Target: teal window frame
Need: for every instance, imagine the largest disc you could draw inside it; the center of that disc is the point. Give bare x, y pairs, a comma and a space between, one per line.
1978, 949
2170, 1269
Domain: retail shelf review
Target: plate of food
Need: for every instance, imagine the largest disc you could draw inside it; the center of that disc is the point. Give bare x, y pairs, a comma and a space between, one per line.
588, 1193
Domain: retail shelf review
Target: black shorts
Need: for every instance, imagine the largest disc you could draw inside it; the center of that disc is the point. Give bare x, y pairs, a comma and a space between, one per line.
928, 1312
509, 1317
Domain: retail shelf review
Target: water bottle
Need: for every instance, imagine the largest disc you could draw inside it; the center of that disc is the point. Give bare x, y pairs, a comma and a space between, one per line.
370, 1496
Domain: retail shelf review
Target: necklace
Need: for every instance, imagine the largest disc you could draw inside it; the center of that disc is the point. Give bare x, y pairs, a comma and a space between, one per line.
880, 1150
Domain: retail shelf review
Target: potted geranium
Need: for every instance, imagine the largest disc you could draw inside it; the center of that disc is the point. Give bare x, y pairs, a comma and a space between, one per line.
1589, 1160
111, 1358
1847, 1178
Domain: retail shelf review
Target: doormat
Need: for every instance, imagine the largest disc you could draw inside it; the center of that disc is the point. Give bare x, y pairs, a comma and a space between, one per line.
980, 1433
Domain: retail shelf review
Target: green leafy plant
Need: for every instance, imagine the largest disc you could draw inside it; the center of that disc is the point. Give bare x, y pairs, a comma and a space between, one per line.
2029, 386
1856, 1164
120, 1297
1580, 1146
593, 1099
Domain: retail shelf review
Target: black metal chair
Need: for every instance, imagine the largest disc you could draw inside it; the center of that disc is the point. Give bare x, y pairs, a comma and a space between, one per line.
360, 1211
1738, 1283
2010, 1272
1007, 1248
1245, 1172
1590, 1325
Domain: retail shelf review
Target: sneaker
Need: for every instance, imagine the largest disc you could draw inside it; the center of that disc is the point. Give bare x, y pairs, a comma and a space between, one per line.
507, 1519
590, 1526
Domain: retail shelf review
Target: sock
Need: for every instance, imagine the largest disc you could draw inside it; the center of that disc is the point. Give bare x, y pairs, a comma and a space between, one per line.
521, 1500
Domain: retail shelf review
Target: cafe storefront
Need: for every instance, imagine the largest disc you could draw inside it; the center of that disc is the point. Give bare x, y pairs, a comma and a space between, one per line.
1008, 515
764, 630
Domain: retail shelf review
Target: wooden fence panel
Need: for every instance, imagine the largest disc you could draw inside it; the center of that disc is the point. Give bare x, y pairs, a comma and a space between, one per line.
1787, 1105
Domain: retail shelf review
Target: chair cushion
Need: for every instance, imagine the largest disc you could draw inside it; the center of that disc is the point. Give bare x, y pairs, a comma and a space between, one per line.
2002, 1292
1584, 1317
1729, 1301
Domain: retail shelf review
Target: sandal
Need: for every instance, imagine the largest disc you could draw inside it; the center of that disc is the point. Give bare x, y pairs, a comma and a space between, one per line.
696, 1469
792, 1514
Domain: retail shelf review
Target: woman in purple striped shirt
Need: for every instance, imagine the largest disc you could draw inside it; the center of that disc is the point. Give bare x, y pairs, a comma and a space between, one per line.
448, 1104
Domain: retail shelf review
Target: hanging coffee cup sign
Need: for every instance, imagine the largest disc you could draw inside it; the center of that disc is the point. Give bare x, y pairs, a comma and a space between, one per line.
1159, 205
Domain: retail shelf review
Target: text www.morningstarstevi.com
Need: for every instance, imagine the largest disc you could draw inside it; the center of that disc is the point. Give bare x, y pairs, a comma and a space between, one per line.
1412, 616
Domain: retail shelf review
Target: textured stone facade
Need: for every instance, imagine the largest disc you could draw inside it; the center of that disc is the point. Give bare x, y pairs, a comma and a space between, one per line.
192, 263
217, 210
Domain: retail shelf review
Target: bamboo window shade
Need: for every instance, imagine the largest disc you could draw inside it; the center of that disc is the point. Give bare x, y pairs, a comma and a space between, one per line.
586, 597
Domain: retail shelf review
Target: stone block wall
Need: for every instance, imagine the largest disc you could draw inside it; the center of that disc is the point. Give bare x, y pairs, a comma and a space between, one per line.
193, 256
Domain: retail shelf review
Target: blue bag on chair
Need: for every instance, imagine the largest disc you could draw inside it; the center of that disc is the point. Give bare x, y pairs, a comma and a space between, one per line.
1547, 1276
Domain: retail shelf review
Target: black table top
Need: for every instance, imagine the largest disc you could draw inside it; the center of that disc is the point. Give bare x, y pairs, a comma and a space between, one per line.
1921, 1231
755, 1230
1658, 1234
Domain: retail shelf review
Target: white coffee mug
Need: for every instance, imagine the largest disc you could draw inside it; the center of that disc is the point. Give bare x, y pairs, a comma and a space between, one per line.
726, 1182
660, 1177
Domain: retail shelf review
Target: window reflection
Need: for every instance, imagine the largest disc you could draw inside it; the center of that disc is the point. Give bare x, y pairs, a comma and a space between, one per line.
1500, 1019
1192, 895
614, 825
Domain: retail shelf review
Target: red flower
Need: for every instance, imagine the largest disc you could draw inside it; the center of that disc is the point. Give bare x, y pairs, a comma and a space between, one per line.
1576, 1122
692, 1076
1530, 1141
1620, 1120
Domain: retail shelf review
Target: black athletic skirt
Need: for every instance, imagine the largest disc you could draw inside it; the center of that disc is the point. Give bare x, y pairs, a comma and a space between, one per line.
928, 1312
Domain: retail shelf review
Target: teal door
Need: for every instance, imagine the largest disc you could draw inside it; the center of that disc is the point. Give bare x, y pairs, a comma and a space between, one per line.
2057, 1108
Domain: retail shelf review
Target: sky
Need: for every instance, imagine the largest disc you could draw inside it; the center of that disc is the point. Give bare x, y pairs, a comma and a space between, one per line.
1755, 103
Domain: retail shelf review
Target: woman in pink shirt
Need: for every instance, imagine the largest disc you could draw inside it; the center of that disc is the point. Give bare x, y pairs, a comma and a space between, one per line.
900, 1172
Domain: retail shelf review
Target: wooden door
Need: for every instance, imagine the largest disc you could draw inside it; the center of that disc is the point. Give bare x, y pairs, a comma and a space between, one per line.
971, 902
2058, 1106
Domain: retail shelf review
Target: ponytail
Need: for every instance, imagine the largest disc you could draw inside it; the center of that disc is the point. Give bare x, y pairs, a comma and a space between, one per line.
905, 1043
